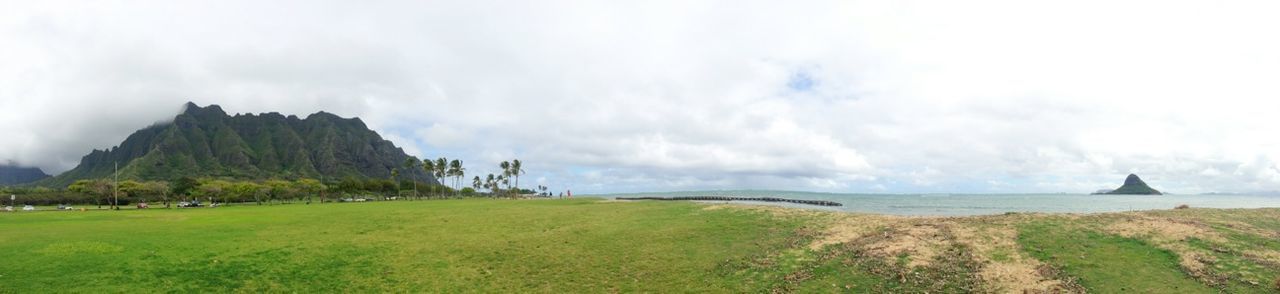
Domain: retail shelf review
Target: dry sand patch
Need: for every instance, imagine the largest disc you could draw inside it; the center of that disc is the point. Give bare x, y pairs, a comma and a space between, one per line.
920, 243
1016, 273
774, 210
1163, 230
842, 228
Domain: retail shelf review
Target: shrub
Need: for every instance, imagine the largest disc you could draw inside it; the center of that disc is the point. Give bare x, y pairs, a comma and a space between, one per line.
1182, 206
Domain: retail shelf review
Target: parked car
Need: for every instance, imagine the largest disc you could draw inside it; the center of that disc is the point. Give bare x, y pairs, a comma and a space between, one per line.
142, 205
28, 208
189, 204
8, 208
64, 207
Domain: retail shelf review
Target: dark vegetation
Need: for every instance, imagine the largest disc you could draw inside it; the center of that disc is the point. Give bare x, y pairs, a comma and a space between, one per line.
103, 192
208, 143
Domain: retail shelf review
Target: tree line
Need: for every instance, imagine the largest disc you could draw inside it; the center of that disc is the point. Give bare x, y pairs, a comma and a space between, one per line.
499, 185
449, 173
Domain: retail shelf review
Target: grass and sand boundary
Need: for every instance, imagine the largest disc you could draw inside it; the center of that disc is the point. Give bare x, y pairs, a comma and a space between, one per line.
591, 245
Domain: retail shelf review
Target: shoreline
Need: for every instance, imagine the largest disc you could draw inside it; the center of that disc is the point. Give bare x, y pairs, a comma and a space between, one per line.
758, 204
983, 204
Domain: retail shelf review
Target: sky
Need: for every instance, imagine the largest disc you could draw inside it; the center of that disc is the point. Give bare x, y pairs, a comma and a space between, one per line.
624, 96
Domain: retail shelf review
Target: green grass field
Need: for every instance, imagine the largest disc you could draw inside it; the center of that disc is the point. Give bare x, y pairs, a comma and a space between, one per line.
549, 246
589, 245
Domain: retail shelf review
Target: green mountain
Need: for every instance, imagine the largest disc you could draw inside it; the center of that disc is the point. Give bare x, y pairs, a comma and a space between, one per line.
11, 174
206, 142
1134, 186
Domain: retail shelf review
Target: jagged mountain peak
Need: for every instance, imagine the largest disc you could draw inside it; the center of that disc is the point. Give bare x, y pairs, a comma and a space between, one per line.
193, 109
206, 142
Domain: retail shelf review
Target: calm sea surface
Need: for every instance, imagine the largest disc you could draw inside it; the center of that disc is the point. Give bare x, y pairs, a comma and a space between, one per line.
979, 204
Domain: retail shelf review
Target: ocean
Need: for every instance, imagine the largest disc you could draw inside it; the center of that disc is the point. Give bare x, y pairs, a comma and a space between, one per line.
985, 204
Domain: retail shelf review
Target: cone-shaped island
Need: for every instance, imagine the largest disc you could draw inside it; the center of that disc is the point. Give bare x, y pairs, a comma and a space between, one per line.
1133, 186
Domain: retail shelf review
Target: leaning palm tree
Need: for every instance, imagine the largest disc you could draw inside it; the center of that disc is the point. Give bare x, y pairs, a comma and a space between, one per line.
516, 171
429, 166
408, 167
475, 183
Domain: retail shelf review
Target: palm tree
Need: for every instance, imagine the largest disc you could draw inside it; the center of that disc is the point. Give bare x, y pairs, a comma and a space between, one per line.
456, 170
506, 169
516, 171
491, 183
442, 168
429, 166
462, 174
394, 174
408, 166
475, 183
505, 182
499, 182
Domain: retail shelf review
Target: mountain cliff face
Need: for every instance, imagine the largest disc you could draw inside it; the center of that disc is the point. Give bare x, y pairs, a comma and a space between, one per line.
11, 174
206, 142
1134, 186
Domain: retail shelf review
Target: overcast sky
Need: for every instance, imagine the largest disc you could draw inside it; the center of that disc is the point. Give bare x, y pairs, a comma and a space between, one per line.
620, 96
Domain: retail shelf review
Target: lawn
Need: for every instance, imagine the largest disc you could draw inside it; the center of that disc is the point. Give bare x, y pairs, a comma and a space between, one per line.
1107, 263
495, 245
591, 245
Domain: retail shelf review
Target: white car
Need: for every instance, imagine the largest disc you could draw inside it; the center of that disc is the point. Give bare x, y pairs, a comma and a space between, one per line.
8, 208
28, 208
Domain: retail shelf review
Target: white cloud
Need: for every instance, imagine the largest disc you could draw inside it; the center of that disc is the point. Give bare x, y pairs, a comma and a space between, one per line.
895, 95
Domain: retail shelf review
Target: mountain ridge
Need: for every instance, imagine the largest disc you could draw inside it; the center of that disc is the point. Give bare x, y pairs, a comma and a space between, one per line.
12, 174
207, 142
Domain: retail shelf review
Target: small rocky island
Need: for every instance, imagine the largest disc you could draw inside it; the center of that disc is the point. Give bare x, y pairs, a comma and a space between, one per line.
1132, 186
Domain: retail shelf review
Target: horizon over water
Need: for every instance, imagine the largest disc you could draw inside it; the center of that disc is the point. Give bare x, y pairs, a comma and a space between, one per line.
941, 204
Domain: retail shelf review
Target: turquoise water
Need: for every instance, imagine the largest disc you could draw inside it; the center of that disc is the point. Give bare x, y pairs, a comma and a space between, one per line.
982, 204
